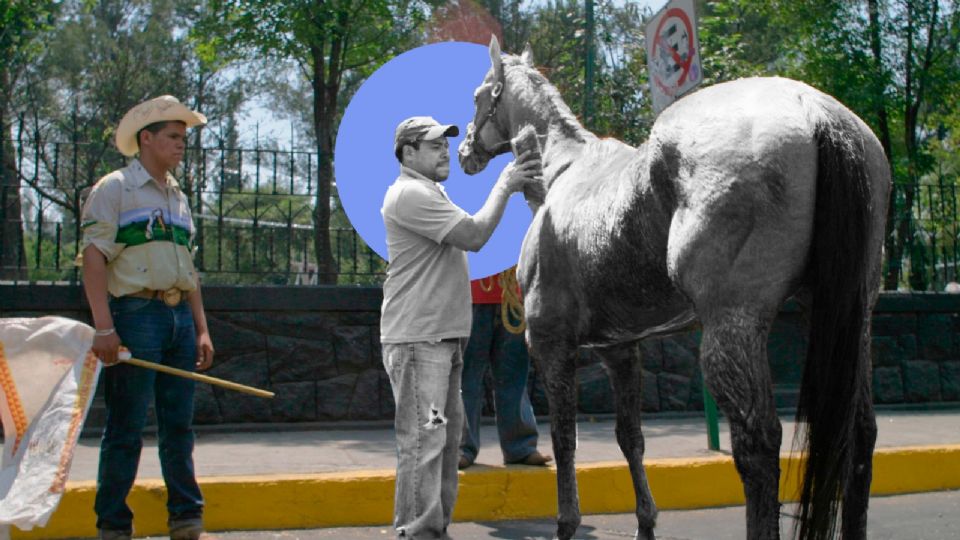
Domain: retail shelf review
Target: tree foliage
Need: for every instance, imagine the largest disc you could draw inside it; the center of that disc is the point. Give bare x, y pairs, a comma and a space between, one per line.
557, 32
334, 45
893, 62
21, 24
896, 64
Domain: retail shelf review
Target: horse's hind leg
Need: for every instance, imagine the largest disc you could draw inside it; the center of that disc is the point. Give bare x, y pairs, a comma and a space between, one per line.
856, 496
556, 363
623, 365
734, 361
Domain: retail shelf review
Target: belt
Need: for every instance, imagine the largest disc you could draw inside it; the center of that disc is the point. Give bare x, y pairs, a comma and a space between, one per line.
171, 297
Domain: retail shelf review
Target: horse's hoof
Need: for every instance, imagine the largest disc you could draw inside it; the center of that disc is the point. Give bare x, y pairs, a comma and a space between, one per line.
565, 530
645, 534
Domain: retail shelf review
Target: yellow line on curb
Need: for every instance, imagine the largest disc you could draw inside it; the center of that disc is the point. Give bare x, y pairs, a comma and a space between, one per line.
486, 493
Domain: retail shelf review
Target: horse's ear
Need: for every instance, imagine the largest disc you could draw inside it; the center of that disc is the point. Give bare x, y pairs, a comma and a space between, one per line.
495, 59
527, 56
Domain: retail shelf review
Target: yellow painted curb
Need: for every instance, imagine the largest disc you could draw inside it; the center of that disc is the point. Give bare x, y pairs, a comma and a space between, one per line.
486, 493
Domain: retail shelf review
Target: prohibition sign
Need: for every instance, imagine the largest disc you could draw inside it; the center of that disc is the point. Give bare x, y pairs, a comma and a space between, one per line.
660, 41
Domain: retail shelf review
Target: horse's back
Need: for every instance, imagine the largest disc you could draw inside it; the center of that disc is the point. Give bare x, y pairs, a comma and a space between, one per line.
715, 210
597, 247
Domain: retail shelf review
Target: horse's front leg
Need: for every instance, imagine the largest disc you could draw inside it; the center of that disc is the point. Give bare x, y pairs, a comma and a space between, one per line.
624, 367
555, 359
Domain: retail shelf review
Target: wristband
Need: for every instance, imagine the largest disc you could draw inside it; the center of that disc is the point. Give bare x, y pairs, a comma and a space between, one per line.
107, 332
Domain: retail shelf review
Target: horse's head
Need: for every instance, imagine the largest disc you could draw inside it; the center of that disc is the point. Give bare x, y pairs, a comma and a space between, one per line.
488, 135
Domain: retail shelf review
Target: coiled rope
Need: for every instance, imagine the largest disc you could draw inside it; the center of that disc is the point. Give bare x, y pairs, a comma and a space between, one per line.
511, 306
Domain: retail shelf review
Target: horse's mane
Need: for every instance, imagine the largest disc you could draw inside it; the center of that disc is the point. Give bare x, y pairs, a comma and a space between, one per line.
531, 86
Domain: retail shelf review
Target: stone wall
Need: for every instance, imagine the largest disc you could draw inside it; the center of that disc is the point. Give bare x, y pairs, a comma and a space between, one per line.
671, 378
318, 349
916, 357
323, 366
915, 349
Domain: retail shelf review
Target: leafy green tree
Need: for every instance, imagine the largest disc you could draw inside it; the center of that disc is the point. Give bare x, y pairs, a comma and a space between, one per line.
333, 44
557, 33
897, 65
736, 40
108, 55
22, 22
621, 105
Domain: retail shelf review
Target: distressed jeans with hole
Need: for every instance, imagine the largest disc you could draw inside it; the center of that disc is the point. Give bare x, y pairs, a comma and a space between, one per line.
425, 377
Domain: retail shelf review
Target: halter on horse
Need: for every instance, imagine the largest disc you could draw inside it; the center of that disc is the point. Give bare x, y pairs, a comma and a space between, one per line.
472, 145
747, 193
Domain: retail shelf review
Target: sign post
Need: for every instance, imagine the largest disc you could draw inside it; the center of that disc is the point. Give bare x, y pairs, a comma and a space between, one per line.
673, 53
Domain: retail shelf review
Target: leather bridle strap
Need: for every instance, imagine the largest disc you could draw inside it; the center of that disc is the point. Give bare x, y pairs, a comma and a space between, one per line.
494, 103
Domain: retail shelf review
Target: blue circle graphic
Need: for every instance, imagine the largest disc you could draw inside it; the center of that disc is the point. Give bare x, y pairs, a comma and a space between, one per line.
435, 80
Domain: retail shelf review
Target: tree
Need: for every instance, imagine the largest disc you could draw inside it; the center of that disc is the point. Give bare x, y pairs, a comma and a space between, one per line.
21, 24
557, 33
332, 44
621, 104
930, 69
897, 65
107, 56
736, 40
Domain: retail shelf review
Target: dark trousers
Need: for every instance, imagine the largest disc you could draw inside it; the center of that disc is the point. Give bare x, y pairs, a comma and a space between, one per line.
491, 346
157, 333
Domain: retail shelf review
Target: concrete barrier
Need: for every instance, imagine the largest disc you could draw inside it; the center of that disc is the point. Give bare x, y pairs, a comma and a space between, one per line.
486, 492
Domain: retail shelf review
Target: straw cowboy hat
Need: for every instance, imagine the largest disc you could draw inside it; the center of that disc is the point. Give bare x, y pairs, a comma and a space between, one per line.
159, 109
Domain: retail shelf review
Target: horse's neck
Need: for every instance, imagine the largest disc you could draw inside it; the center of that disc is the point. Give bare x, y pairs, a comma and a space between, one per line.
561, 148
562, 138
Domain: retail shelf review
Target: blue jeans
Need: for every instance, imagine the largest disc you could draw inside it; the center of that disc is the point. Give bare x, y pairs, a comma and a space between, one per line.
425, 378
492, 346
157, 333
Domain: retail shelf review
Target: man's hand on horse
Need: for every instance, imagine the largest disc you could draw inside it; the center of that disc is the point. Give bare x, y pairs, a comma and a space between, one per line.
520, 172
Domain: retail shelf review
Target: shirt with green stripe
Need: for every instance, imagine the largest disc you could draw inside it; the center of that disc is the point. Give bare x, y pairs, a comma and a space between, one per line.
143, 228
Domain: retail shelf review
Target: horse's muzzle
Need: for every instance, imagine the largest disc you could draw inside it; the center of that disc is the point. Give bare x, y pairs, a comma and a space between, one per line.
472, 159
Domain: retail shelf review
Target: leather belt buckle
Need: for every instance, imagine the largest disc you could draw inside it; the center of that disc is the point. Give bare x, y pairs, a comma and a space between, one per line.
172, 296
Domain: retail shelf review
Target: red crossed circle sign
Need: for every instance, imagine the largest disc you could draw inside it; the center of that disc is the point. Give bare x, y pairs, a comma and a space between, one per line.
660, 42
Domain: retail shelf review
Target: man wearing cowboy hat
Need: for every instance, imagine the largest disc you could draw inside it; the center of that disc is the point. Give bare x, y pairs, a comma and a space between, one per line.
426, 317
143, 292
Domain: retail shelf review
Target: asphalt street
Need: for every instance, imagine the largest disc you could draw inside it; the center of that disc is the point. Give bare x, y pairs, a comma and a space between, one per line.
923, 516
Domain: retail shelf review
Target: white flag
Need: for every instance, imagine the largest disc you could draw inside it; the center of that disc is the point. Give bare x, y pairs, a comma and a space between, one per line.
47, 380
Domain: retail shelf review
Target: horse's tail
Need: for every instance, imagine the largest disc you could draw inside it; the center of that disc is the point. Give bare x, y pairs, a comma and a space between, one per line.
835, 375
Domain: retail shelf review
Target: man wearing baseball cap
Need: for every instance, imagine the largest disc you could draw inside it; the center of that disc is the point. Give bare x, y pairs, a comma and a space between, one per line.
144, 292
426, 316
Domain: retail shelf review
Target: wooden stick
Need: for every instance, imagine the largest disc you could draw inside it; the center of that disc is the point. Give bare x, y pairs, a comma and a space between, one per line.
124, 356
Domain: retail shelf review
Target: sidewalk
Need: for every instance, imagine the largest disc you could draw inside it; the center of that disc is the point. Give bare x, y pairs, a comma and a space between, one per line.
338, 477
342, 450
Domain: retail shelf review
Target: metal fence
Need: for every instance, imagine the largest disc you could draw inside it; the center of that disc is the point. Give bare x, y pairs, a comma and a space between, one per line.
253, 210
928, 226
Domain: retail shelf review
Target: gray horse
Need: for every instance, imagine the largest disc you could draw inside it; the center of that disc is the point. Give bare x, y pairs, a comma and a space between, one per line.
747, 193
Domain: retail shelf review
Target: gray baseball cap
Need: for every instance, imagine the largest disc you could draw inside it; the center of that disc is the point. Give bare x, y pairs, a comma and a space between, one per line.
421, 128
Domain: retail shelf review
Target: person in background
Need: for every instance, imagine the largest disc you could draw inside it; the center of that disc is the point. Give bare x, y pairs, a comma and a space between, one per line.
496, 344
